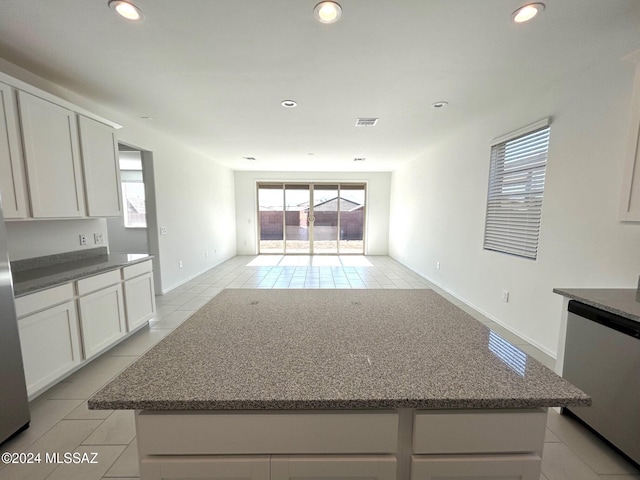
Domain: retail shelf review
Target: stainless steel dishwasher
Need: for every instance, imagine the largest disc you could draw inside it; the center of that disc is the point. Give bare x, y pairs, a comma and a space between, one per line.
602, 358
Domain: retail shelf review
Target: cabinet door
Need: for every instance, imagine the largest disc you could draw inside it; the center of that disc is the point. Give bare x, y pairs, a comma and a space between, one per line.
205, 468
101, 319
101, 169
54, 176
140, 300
13, 190
456, 467
50, 345
329, 468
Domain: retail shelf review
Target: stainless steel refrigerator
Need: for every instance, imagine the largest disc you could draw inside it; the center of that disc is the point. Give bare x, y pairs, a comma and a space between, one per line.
14, 405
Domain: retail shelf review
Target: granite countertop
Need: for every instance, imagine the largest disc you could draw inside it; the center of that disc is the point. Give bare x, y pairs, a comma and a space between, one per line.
621, 301
35, 274
334, 349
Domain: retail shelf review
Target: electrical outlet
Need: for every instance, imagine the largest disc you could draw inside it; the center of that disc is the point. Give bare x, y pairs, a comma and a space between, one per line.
98, 238
83, 239
437, 265
163, 230
180, 264
206, 254
505, 295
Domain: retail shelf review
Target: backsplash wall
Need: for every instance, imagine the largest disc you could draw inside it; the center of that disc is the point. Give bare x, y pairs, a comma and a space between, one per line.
28, 239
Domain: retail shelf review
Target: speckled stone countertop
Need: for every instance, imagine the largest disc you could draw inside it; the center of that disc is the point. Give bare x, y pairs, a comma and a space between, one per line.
621, 301
35, 274
333, 349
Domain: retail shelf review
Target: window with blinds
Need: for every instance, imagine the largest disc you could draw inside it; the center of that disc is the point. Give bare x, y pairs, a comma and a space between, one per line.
516, 185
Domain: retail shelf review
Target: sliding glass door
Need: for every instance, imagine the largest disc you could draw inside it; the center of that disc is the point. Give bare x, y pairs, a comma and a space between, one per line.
311, 218
325, 218
297, 199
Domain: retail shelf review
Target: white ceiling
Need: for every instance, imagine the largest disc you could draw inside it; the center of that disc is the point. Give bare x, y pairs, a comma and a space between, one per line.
213, 72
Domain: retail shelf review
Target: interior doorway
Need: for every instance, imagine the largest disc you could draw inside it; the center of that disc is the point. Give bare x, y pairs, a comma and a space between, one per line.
311, 218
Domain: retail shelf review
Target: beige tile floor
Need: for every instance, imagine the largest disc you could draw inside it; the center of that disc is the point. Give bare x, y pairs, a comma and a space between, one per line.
62, 423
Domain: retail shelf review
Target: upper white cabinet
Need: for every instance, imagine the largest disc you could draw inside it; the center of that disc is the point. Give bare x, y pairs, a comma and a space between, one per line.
101, 170
52, 158
630, 198
13, 190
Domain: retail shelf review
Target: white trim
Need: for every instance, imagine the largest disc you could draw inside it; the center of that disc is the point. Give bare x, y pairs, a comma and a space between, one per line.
545, 122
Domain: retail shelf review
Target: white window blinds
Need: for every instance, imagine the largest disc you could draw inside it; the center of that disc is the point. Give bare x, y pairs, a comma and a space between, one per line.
516, 185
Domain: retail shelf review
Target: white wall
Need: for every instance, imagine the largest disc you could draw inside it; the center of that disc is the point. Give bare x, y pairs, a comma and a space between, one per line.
377, 208
28, 239
438, 206
126, 240
194, 194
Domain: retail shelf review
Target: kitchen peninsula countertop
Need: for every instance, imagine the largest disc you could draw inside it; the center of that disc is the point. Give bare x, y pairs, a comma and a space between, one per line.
334, 349
35, 274
620, 301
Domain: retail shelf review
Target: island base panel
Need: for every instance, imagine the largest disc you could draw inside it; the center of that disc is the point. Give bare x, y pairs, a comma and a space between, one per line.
286, 445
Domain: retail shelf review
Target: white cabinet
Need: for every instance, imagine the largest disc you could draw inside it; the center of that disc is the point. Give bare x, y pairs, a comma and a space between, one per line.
451, 467
52, 158
456, 445
206, 468
139, 294
13, 190
99, 150
49, 336
333, 467
102, 317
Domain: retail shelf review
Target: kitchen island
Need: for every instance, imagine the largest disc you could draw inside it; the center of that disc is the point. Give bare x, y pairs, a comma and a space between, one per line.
389, 384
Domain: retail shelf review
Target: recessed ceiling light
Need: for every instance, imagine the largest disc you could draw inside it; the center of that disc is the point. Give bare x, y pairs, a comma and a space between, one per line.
126, 9
440, 105
527, 12
288, 103
327, 12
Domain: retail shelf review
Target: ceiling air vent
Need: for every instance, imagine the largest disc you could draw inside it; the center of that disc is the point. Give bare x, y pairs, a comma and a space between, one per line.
366, 122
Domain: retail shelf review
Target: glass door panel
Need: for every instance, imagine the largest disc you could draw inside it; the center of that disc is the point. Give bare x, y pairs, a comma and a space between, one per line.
271, 218
325, 218
352, 208
297, 231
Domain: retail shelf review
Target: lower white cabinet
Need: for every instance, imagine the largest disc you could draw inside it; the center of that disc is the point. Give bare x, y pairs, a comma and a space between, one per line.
206, 468
333, 467
139, 294
454, 467
102, 319
50, 345
63, 326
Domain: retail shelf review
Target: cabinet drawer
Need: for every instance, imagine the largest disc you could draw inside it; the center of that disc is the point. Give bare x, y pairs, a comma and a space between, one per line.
484, 431
209, 433
97, 282
47, 298
458, 467
137, 269
209, 468
370, 467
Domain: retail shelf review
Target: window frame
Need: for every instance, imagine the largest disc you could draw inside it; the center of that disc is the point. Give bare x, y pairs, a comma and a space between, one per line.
515, 192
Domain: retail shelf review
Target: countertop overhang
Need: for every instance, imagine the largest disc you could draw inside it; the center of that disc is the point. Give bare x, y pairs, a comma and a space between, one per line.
620, 301
334, 349
33, 275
